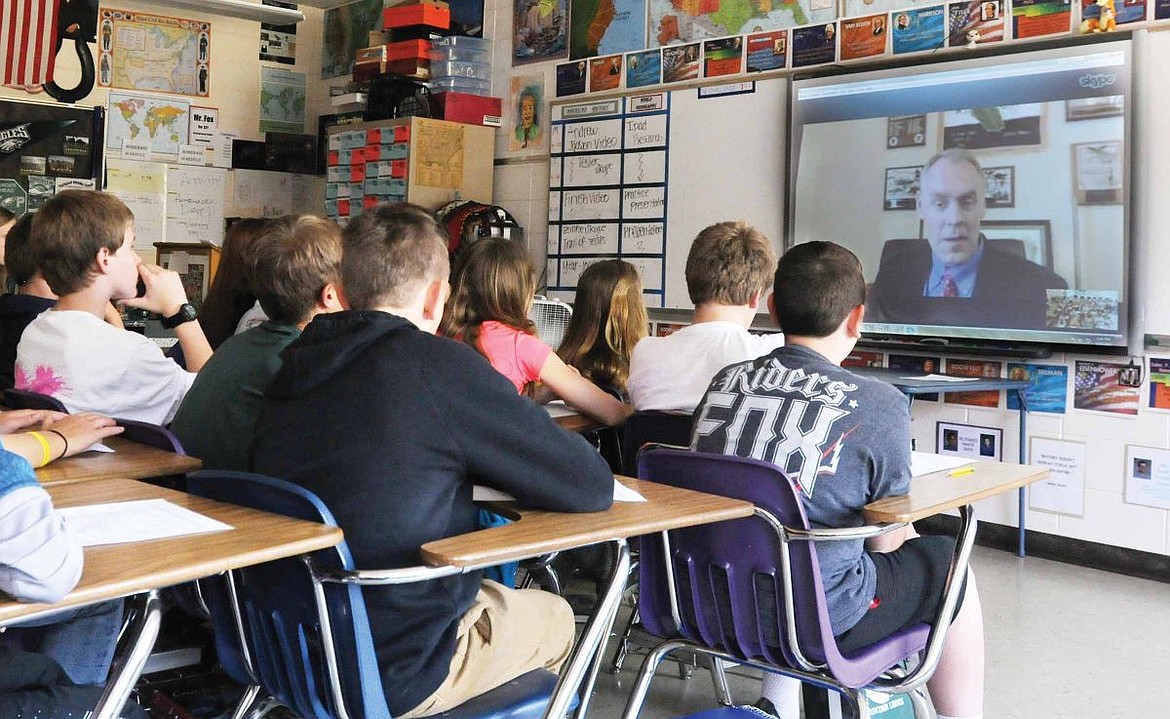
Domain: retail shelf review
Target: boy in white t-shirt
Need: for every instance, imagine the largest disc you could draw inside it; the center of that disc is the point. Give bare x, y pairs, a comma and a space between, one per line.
84, 242
729, 268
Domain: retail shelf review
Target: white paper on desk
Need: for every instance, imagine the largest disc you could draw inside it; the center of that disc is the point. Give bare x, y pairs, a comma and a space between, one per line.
135, 521
942, 378
559, 409
926, 462
621, 493
98, 447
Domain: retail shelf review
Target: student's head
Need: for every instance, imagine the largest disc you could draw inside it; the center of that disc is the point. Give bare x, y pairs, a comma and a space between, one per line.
730, 263
394, 256
494, 280
951, 205
818, 284
82, 235
231, 294
7, 220
19, 255
609, 317
296, 266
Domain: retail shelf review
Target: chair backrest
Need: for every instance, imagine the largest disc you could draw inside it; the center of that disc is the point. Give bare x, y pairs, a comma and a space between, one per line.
151, 435
892, 248
281, 624
25, 399
727, 576
652, 426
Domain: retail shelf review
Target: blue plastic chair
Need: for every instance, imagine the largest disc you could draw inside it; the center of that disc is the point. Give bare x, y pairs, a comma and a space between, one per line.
26, 399
298, 629
749, 591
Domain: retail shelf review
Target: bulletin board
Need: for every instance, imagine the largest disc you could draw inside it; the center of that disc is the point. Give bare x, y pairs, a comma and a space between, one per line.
639, 176
44, 148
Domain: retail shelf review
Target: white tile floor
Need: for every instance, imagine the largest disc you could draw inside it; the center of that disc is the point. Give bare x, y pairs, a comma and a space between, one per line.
1063, 642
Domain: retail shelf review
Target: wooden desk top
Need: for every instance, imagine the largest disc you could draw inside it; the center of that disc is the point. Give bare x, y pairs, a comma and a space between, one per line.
118, 570
129, 460
538, 532
937, 492
578, 423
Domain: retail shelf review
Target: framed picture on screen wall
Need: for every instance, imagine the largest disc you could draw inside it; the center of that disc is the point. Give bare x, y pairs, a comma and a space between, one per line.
1097, 173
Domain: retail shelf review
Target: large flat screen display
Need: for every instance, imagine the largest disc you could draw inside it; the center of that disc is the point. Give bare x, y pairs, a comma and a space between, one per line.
987, 198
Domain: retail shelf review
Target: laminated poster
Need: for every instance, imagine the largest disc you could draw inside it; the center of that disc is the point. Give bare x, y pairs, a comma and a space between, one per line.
919, 30
571, 78
1125, 11
916, 366
974, 368
1034, 18
1096, 388
680, 62
860, 358
1147, 476
1063, 491
814, 45
863, 37
605, 73
980, 21
768, 50
643, 68
1161, 9
723, 56
1047, 389
1159, 383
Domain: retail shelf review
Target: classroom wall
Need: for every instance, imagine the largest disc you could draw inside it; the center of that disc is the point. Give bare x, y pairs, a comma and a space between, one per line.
522, 185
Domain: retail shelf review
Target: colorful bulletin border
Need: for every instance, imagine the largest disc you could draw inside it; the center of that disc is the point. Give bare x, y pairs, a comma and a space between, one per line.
608, 190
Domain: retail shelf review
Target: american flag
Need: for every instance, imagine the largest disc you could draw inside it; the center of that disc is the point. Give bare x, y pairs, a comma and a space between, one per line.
28, 38
1097, 388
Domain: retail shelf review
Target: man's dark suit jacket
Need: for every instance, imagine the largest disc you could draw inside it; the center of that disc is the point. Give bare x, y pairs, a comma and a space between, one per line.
1009, 291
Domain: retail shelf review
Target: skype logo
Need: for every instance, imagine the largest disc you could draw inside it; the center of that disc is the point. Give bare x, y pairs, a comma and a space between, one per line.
1097, 81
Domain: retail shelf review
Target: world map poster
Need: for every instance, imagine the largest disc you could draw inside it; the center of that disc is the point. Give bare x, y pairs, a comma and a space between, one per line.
681, 21
159, 122
154, 53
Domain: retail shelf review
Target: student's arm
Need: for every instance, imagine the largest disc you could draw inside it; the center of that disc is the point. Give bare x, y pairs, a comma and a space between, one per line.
510, 443
77, 433
39, 560
890, 446
165, 296
113, 317
569, 385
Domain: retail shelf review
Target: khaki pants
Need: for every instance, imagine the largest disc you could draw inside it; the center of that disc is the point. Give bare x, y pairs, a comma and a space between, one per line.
505, 633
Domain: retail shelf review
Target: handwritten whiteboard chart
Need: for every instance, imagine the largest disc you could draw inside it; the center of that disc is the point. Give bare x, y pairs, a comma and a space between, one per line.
639, 177
607, 190
195, 200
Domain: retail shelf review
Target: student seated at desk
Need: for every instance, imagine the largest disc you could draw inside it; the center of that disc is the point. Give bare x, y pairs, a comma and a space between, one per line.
609, 318
296, 265
84, 244
491, 293
844, 440
41, 562
728, 270
231, 299
31, 296
391, 426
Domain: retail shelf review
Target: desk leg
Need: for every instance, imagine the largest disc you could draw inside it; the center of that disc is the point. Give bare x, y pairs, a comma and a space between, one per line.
1023, 460
142, 626
581, 669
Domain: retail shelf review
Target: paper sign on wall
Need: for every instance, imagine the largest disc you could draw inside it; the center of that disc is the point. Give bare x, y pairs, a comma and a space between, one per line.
1063, 492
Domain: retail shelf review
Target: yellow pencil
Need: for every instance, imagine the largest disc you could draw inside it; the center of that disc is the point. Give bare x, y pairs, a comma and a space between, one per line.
960, 471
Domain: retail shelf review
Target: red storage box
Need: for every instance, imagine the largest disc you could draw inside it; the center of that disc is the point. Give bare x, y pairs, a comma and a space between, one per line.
470, 109
423, 13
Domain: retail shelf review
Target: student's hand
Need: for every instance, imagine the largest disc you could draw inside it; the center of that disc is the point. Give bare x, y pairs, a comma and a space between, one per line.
83, 430
164, 291
19, 419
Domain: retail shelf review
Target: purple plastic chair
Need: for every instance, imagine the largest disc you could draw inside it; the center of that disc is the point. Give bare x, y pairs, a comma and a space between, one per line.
26, 399
152, 435
652, 426
749, 591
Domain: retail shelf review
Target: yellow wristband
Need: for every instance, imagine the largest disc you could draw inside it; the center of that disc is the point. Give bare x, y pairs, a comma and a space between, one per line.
46, 452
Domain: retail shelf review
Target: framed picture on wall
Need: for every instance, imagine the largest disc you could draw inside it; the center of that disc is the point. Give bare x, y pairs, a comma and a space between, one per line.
1097, 173
1001, 186
906, 131
902, 187
1090, 108
1035, 235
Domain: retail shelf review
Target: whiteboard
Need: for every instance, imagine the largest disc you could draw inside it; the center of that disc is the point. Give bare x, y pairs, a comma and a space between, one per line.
708, 159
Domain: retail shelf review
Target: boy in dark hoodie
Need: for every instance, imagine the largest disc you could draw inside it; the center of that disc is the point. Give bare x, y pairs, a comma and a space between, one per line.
30, 297
391, 426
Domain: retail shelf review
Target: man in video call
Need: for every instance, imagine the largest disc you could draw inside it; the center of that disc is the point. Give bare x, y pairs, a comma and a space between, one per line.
958, 277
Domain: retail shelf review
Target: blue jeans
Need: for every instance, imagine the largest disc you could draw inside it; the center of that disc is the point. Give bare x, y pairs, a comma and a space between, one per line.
81, 640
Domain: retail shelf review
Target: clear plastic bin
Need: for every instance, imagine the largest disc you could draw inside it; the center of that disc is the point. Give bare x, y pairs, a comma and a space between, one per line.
462, 84
462, 41
472, 70
459, 53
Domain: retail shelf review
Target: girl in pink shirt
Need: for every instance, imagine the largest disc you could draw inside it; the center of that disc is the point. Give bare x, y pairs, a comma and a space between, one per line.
491, 293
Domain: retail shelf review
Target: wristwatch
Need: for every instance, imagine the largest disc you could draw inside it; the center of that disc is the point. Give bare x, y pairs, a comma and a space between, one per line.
185, 314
